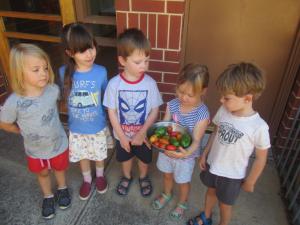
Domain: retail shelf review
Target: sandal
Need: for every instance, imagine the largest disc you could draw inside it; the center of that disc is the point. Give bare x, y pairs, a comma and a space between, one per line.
123, 186
201, 217
145, 186
161, 201
178, 212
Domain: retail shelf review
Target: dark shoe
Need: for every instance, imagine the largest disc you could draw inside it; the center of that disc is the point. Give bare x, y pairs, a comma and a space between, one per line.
48, 209
123, 186
101, 185
145, 186
63, 198
85, 191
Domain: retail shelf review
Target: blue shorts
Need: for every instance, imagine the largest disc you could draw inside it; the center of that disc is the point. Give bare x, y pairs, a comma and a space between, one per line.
182, 169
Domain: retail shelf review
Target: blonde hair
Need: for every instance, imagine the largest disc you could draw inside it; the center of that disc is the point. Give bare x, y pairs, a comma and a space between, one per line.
195, 74
241, 79
16, 64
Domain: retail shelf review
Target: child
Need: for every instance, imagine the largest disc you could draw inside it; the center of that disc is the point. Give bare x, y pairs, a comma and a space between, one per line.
133, 101
239, 130
32, 111
189, 111
87, 120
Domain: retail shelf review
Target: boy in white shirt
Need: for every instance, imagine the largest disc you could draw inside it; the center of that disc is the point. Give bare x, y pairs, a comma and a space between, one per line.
239, 130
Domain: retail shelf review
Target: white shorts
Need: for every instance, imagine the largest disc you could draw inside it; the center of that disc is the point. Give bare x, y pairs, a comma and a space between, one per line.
88, 146
182, 169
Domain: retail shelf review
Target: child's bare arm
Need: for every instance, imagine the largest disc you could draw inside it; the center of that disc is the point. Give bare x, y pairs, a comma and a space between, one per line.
198, 133
256, 169
167, 116
112, 113
140, 136
203, 157
10, 127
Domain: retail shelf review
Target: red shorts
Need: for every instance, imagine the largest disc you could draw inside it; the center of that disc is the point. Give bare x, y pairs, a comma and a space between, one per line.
59, 162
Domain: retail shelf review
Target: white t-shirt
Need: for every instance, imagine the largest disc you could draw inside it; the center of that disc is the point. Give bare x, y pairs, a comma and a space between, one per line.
132, 100
235, 141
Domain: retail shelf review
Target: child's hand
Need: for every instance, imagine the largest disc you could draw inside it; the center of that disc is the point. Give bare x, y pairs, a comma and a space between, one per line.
248, 186
125, 143
202, 162
177, 155
138, 139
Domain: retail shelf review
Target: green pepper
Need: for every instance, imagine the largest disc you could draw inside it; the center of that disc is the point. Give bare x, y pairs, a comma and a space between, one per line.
185, 140
160, 131
174, 141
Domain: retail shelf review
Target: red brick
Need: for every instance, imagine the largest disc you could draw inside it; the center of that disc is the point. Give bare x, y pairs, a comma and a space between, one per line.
148, 6
165, 66
172, 56
152, 30
287, 122
175, 27
156, 54
122, 5
167, 88
133, 20
294, 101
121, 22
157, 76
171, 77
283, 131
144, 23
168, 97
291, 112
162, 108
175, 7
162, 31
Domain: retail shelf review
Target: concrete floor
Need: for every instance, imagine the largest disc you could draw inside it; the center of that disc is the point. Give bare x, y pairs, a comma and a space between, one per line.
20, 199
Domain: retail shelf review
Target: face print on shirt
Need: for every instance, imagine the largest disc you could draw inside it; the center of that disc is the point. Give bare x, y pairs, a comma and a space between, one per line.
132, 110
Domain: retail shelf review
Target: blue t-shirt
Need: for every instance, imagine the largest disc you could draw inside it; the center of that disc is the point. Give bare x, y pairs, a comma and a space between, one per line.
85, 109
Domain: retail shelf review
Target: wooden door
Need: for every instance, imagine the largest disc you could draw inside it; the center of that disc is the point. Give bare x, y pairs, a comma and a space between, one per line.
219, 33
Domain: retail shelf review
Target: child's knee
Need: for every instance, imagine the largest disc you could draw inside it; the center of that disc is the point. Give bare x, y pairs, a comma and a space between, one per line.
43, 173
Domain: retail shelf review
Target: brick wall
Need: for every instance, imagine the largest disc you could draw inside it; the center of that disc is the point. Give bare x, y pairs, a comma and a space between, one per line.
289, 118
162, 22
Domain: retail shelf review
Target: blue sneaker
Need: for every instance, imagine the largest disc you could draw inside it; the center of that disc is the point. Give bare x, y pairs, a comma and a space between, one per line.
48, 208
63, 198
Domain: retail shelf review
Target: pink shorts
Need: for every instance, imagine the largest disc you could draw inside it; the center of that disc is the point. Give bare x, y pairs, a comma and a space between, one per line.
59, 162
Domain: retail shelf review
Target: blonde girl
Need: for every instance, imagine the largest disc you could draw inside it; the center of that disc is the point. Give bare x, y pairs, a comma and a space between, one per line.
189, 111
87, 119
31, 110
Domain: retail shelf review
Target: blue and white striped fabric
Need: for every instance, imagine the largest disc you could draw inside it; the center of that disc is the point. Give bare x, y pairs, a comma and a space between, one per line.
190, 119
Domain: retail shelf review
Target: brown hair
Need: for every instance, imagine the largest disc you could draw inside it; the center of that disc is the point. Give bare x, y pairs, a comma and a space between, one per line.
130, 40
16, 64
75, 38
197, 75
242, 79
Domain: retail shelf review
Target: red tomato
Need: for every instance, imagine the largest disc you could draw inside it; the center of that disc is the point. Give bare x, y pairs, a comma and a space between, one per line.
156, 143
174, 133
162, 145
171, 148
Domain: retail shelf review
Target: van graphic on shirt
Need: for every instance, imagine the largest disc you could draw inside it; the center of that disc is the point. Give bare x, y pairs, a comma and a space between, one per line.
83, 99
228, 134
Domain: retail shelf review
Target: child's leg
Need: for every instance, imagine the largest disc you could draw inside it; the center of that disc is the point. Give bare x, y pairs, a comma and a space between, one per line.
99, 168
60, 179
210, 201
85, 167
143, 168
126, 168
168, 183
184, 190
45, 182
226, 211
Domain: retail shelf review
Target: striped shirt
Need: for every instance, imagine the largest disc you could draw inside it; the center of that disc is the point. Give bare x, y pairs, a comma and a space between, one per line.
190, 119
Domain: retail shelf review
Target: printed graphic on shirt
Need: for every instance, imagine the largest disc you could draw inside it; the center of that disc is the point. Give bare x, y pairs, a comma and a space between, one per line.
23, 105
228, 134
83, 99
132, 110
48, 117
